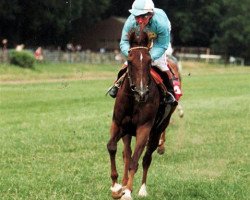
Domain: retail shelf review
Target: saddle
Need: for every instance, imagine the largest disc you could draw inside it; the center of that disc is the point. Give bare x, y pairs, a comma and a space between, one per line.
163, 82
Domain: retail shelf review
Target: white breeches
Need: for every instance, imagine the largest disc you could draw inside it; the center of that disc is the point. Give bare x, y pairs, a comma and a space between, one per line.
161, 62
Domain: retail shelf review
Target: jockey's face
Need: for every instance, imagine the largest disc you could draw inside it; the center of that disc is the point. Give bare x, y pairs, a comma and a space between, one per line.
143, 19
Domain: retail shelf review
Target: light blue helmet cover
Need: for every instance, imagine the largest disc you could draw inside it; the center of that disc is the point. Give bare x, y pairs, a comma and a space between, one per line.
141, 7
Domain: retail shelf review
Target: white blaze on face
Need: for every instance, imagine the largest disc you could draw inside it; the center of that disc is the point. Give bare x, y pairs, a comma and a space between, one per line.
141, 57
141, 84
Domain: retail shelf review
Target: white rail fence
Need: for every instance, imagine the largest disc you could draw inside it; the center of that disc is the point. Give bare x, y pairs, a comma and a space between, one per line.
205, 54
115, 57
75, 57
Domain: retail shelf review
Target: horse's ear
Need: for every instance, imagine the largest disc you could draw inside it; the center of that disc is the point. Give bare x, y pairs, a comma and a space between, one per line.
131, 37
145, 38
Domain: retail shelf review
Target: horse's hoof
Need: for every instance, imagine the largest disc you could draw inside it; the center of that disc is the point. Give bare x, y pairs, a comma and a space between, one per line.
181, 114
117, 195
117, 191
126, 195
143, 191
161, 150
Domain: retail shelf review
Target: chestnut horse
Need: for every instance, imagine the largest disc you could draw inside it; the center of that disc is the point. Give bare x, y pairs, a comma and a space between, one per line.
138, 112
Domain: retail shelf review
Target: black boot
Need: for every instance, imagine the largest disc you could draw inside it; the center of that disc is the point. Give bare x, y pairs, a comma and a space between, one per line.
170, 99
113, 91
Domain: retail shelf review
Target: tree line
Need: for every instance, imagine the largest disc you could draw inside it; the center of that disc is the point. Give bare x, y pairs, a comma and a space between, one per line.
222, 25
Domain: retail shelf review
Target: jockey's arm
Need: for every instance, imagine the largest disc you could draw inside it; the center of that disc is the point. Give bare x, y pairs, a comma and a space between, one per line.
124, 43
160, 43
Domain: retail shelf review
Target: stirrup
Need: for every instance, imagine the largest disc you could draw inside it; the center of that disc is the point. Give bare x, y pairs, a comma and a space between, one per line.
170, 99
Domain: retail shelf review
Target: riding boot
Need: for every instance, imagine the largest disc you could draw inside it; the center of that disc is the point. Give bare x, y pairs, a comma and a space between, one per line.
169, 98
174, 85
112, 91
174, 76
177, 89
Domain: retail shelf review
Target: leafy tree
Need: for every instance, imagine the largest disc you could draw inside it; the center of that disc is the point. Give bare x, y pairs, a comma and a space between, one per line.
46, 21
8, 25
119, 8
233, 38
194, 22
221, 24
92, 10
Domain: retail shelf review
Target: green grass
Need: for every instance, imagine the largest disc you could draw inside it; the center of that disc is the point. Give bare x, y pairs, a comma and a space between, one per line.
52, 71
54, 126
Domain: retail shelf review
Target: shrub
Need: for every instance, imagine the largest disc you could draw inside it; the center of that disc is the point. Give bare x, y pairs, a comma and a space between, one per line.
22, 58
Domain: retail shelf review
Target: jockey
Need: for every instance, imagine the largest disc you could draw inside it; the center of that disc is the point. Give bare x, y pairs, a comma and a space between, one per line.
156, 23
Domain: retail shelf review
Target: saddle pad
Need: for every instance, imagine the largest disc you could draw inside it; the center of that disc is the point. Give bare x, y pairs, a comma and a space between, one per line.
156, 76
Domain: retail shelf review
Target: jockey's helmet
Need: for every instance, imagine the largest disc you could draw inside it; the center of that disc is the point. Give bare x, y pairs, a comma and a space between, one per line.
142, 7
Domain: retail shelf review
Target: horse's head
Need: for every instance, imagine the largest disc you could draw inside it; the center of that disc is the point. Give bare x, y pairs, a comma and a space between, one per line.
139, 63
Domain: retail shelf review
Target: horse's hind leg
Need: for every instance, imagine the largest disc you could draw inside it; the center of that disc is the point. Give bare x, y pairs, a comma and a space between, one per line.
126, 157
112, 148
180, 110
151, 147
161, 145
165, 123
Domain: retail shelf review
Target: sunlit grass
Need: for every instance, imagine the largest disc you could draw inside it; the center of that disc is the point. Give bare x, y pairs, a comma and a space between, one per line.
53, 135
53, 71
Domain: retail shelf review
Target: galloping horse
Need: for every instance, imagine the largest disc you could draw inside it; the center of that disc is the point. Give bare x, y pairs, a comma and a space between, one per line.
138, 112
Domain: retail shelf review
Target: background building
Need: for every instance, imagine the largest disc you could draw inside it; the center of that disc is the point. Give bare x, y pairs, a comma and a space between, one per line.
104, 35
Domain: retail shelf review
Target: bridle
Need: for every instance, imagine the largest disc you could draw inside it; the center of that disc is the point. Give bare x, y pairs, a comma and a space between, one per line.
133, 88
139, 47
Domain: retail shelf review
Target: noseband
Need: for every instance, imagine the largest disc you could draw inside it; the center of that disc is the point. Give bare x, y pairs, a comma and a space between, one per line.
133, 88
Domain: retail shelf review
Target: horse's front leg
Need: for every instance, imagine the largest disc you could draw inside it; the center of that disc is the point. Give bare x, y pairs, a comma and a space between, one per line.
126, 157
142, 134
151, 147
115, 136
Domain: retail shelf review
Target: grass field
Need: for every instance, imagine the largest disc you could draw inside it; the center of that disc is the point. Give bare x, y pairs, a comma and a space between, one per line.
54, 126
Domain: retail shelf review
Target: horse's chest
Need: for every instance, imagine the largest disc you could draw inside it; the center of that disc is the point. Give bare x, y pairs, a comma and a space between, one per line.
140, 114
